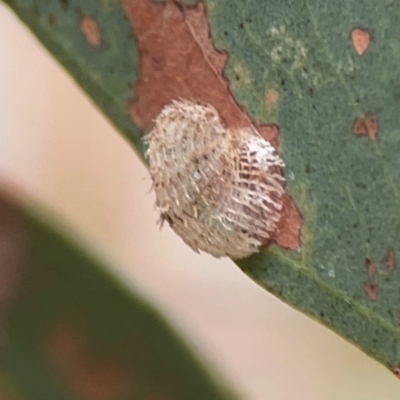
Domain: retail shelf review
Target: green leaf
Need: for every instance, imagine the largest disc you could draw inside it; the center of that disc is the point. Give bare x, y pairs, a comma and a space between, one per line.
69, 329
327, 74
345, 185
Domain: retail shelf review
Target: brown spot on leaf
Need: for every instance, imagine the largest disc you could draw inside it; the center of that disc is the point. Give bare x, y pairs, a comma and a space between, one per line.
288, 232
270, 132
366, 126
390, 261
371, 268
178, 60
359, 128
89, 376
90, 29
12, 256
396, 371
371, 122
51, 19
361, 39
372, 290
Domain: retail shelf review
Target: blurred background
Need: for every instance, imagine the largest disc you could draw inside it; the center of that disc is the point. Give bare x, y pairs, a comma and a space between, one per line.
58, 147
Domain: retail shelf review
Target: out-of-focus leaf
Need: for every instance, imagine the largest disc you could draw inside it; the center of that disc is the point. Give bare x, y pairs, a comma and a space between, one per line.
70, 330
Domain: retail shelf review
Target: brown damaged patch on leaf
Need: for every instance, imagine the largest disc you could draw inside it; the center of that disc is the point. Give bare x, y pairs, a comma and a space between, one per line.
102, 377
51, 19
370, 287
12, 256
178, 60
396, 371
90, 29
372, 290
361, 39
89, 376
366, 126
288, 231
371, 268
270, 132
359, 128
371, 122
390, 261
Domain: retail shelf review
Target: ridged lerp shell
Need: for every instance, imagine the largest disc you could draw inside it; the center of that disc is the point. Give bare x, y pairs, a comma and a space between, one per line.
219, 189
